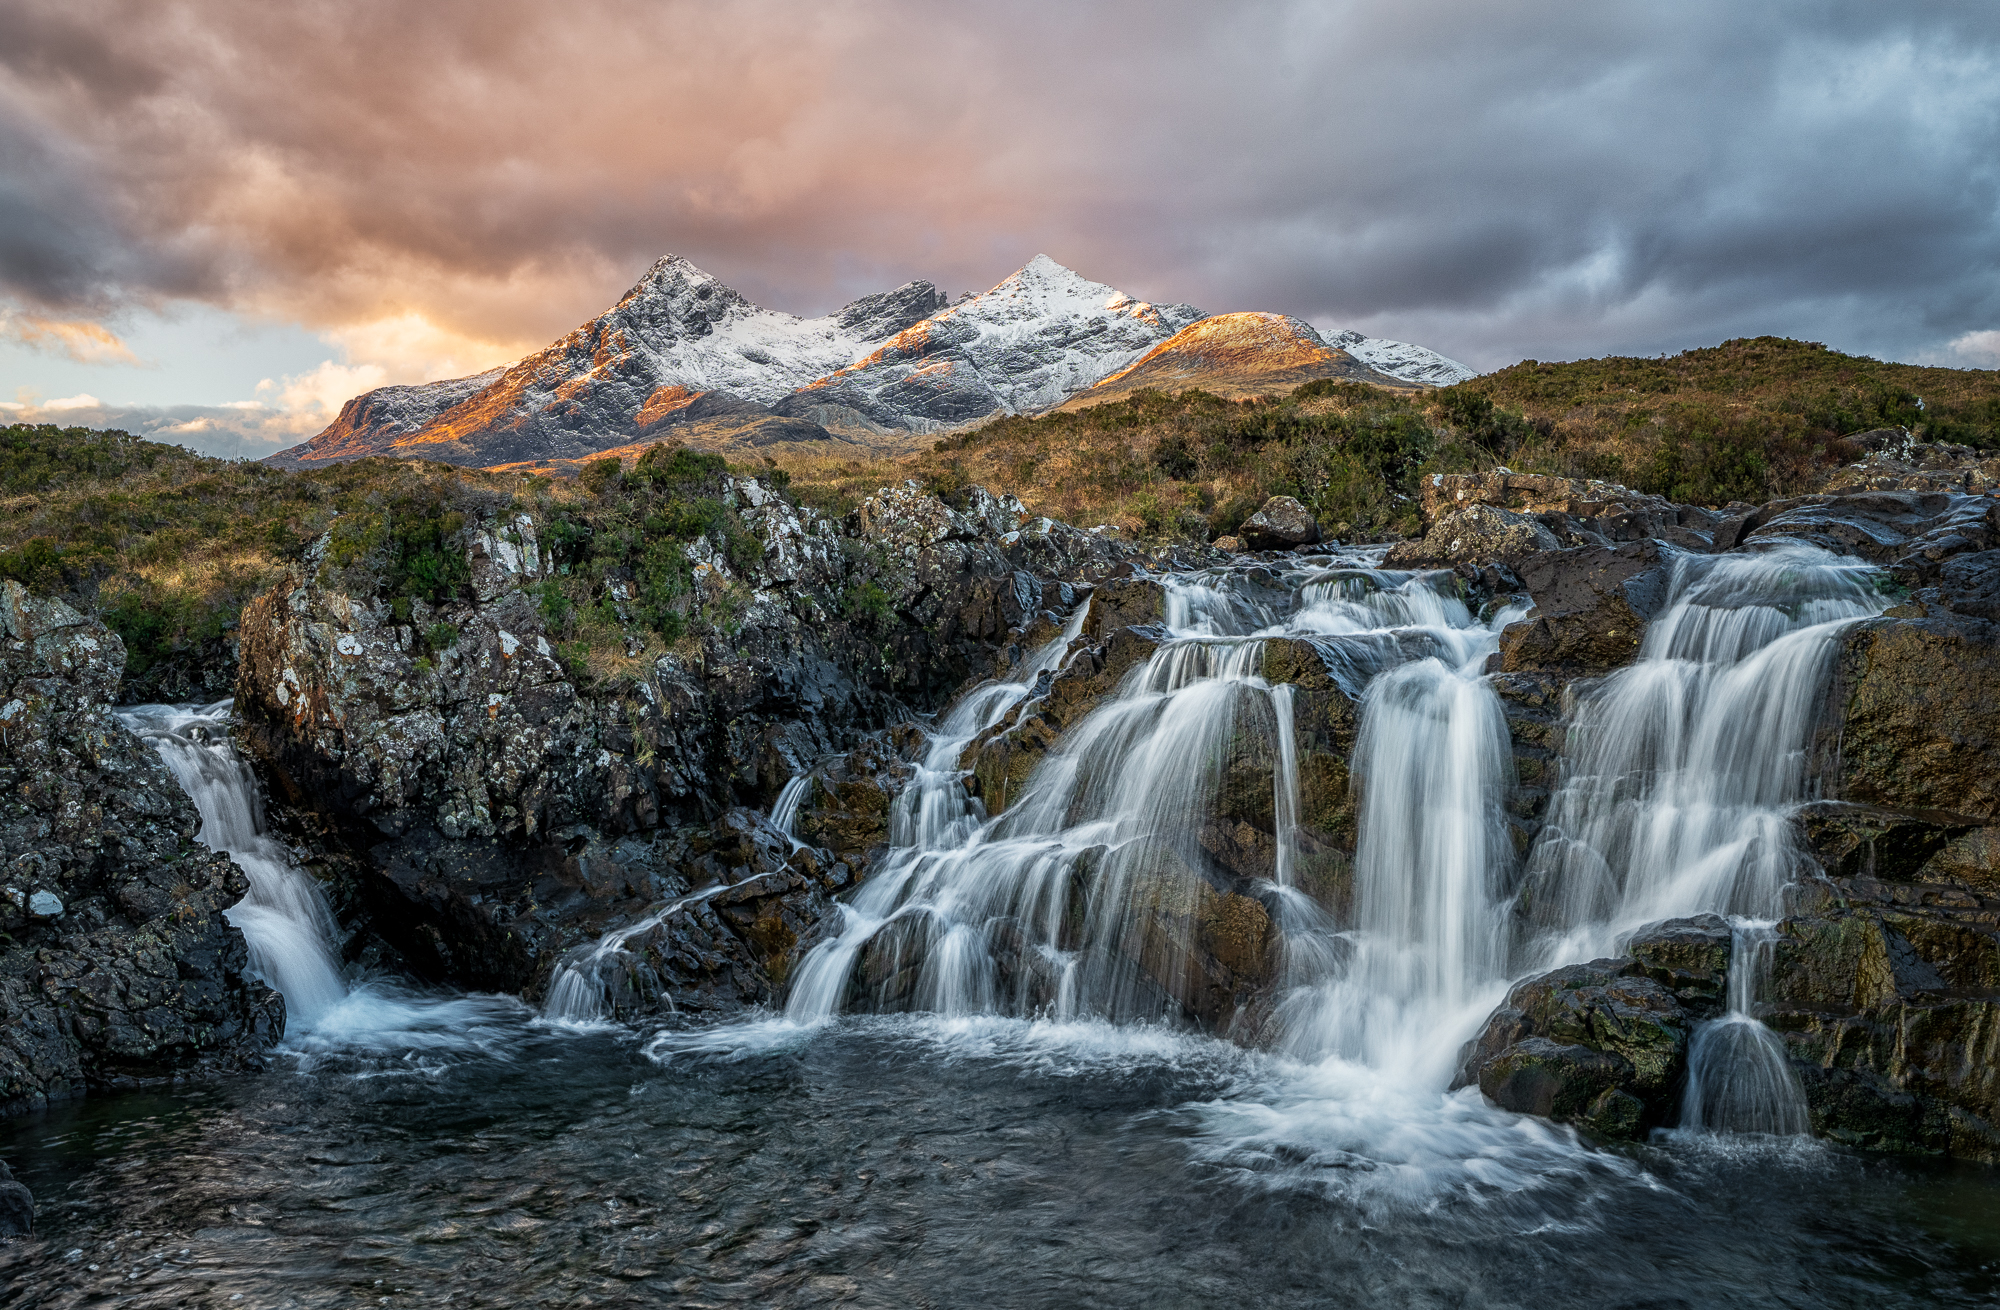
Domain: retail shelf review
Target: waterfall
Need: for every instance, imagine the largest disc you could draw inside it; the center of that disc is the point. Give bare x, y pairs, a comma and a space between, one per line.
283, 917
1682, 772
1681, 777
1429, 937
1069, 903
1738, 1078
785, 810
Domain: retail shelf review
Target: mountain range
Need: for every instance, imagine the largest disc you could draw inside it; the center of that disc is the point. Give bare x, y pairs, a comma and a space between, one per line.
682, 355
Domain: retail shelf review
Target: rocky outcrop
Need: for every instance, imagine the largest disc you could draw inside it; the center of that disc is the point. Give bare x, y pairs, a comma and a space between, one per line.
1914, 715
1475, 534
1897, 461
1604, 1045
116, 963
1576, 511
1281, 523
1592, 605
481, 804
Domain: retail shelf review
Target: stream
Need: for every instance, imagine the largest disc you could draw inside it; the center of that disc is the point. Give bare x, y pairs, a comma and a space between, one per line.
976, 1094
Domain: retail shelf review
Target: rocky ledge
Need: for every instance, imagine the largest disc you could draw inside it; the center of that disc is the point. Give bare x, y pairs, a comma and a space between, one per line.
118, 965
482, 808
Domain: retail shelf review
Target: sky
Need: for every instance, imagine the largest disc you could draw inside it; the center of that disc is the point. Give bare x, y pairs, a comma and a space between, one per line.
219, 219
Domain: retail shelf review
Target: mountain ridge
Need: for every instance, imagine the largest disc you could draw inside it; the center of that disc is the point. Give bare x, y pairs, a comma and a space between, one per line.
682, 354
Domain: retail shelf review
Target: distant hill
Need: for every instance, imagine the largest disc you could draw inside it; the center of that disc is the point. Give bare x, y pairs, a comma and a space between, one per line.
1234, 355
1749, 419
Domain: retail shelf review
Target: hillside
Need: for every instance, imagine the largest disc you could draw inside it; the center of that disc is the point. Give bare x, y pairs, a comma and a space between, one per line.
1233, 356
1746, 420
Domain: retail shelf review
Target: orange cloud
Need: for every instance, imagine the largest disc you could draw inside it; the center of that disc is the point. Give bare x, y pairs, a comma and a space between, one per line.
82, 341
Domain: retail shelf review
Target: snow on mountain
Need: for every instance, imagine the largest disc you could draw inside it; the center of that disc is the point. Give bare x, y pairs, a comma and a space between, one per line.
675, 336
1040, 335
1400, 359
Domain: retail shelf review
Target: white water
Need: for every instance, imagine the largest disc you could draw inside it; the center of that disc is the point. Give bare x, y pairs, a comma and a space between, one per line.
284, 916
1066, 905
1678, 787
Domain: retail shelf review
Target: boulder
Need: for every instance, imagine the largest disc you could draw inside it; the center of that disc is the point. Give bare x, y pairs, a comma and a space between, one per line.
1604, 1045
17, 1206
1475, 534
1592, 605
1280, 524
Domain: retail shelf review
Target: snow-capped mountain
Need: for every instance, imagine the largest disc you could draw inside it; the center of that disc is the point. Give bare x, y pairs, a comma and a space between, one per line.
682, 352
1400, 359
646, 363
1033, 340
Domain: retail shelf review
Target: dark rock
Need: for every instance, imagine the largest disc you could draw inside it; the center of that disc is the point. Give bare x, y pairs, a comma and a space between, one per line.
17, 1207
1280, 524
1603, 1045
1592, 605
118, 965
1576, 511
1913, 720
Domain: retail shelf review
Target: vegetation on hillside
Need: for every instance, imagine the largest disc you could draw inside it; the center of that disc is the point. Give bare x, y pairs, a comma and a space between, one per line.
1192, 466
169, 545
1749, 419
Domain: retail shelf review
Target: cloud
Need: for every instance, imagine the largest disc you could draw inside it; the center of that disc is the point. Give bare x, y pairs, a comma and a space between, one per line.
1973, 350
81, 340
442, 187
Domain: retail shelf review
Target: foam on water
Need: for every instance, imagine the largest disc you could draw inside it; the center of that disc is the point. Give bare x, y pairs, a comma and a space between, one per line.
287, 924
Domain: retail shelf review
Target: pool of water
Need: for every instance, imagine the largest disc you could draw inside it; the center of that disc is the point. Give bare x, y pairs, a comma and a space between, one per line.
917, 1162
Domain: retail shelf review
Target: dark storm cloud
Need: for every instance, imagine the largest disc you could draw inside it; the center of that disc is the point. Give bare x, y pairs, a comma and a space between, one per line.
1496, 181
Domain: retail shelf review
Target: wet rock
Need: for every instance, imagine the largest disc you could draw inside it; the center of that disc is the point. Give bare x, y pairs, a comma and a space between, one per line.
1913, 719
1592, 605
1604, 1045
117, 965
17, 1206
1475, 534
1281, 523
1883, 526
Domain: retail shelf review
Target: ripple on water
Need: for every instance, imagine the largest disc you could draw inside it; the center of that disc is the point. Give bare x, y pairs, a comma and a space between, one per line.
919, 1160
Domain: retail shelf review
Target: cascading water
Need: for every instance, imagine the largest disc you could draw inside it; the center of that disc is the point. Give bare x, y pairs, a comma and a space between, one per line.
1681, 778
1738, 1078
284, 917
1052, 906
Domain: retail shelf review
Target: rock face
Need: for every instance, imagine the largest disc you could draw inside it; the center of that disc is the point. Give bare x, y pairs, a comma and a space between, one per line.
481, 808
1281, 523
1592, 605
118, 965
